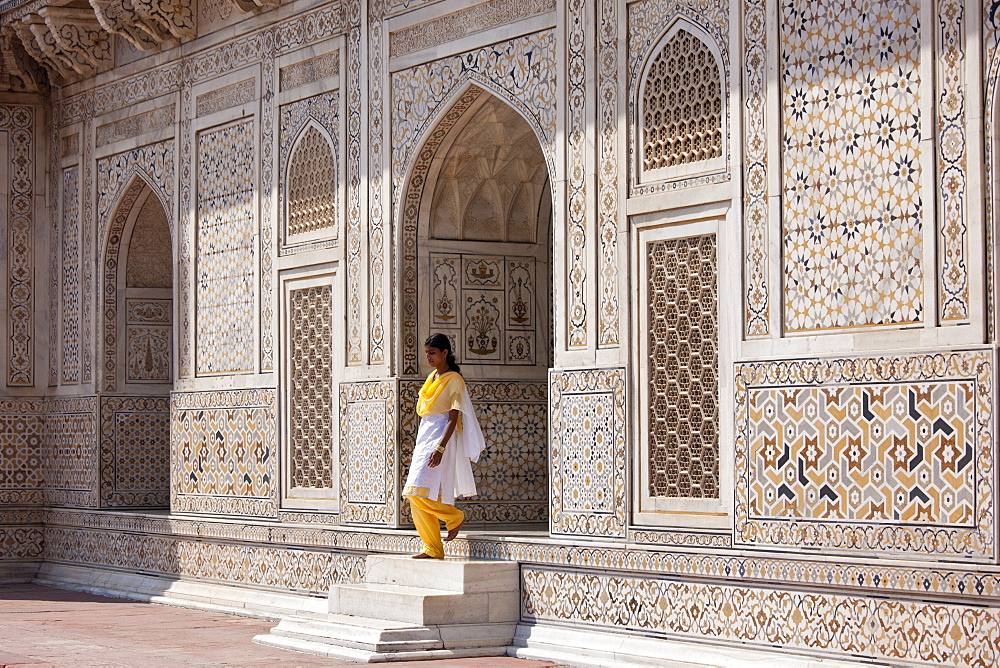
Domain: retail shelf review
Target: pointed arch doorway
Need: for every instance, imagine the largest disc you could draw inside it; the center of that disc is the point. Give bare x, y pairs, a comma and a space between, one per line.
477, 257
136, 355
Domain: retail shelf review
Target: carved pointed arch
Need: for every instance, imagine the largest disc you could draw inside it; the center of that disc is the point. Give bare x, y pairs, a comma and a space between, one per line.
435, 138
311, 186
680, 106
117, 229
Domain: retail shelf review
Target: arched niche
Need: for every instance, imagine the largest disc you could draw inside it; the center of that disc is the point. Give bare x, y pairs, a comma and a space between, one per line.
477, 229
137, 337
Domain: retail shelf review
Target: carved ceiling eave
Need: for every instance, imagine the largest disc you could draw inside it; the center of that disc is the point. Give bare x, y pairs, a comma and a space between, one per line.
74, 43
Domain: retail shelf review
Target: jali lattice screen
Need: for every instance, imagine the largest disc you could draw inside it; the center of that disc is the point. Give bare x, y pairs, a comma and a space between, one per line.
311, 410
682, 105
683, 362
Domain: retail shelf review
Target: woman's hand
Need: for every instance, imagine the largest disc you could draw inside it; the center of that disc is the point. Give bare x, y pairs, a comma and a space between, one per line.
435, 459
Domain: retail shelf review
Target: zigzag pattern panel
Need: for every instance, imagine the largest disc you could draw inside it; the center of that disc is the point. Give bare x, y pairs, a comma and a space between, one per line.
223, 447
888, 454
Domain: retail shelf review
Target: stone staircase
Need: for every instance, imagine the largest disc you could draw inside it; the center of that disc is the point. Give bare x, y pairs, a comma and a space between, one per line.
412, 609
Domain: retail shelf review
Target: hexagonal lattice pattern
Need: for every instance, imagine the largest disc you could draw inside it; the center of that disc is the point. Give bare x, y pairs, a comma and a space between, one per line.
311, 409
312, 185
682, 105
683, 368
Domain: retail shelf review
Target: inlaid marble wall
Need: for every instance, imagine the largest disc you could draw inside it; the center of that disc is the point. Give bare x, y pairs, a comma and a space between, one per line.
223, 456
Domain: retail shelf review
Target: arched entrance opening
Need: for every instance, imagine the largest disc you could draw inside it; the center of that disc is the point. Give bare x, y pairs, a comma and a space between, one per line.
137, 355
477, 267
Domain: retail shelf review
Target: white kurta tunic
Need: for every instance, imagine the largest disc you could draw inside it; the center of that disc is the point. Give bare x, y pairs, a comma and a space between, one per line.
453, 476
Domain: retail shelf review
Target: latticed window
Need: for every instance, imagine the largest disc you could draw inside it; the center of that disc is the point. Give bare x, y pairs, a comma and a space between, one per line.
312, 186
683, 348
311, 409
682, 105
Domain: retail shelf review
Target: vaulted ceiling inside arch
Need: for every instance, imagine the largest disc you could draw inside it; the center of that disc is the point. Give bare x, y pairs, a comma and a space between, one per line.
491, 181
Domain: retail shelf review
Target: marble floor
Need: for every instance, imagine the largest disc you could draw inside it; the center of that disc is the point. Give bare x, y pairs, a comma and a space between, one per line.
42, 626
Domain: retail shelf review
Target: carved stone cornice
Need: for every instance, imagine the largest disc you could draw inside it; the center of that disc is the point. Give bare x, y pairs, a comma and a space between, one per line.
119, 17
38, 44
79, 38
18, 71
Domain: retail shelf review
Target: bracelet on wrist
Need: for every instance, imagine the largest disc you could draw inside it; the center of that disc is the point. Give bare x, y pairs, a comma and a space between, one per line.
440, 449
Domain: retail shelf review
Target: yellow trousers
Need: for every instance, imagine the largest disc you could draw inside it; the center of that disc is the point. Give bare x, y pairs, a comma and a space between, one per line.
427, 516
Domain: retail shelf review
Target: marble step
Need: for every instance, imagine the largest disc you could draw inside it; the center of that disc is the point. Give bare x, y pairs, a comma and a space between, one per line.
468, 576
419, 605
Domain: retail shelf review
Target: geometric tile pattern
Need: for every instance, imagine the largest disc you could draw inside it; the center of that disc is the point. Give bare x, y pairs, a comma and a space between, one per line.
21, 450
852, 204
889, 454
18, 124
821, 623
227, 266
683, 368
519, 71
71, 452
368, 484
588, 452
756, 258
71, 275
311, 431
223, 452
135, 451
512, 472
952, 159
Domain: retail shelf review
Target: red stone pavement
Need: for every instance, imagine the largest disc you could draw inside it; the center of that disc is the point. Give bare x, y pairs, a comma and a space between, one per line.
42, 626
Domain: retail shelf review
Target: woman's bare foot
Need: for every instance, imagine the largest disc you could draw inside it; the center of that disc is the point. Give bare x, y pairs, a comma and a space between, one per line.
422, 555
453, 533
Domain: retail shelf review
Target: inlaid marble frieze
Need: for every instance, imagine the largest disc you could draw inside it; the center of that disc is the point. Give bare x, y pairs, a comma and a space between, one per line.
820, 623
892, 455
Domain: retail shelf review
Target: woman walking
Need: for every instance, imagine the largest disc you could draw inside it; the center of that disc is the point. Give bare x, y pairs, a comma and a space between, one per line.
448, 441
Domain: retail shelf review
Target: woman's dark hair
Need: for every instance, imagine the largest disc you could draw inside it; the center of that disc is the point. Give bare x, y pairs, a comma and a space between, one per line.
441, 342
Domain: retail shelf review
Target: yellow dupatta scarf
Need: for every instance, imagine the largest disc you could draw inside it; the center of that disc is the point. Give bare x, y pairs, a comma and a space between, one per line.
441, 394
